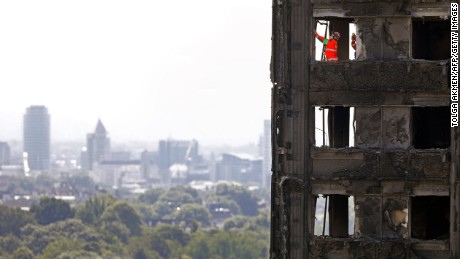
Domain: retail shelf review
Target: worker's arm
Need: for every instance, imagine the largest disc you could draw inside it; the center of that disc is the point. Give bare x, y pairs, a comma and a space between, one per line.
321, 38
353, 41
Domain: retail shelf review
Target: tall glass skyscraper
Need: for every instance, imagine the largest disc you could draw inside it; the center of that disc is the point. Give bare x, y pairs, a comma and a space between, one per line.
37, 137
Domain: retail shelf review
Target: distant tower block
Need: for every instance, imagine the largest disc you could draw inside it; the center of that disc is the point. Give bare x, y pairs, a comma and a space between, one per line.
97, 146
37, 137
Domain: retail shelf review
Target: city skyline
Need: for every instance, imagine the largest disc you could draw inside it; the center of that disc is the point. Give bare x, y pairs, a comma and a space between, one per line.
83, 138
120, 63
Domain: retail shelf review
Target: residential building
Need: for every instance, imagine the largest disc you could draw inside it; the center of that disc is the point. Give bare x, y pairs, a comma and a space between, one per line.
117, 173
176, 152
4, 153
37, 137
386, 157
242, 168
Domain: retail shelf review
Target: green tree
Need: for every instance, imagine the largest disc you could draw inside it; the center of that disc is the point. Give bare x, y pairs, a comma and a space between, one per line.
119, 230
82, 181
198, 247
263, 220
176, 197
151, 196
23, 253
224, 202
50, 210
93, 247
79, 255
37, 237
93, 208
60, 246
13, 219
235, 222
218, 244
250, 245
160, 245
148, 214
172, 232
140, 254
139, 247
124, 213
9, 243
189, 212
163, 209
194, 193
222, 244
172, 200
245, 200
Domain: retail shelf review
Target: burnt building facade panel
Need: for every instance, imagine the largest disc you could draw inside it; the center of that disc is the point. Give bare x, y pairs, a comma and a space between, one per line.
387, 148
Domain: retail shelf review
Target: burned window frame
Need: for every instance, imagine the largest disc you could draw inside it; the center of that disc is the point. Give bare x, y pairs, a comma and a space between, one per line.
420, 39
419, 120
434, 215
343, 25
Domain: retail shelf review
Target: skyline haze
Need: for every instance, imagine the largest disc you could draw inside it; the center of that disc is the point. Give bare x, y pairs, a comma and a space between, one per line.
149, 71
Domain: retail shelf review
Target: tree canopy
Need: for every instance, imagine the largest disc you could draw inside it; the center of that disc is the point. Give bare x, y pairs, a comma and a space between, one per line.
50, 210
105, 227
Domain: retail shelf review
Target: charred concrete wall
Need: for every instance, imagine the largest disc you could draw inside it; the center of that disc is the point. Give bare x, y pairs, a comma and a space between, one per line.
402, 171
380, 76
378, 164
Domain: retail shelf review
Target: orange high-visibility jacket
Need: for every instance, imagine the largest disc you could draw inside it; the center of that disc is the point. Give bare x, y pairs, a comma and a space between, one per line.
331, 48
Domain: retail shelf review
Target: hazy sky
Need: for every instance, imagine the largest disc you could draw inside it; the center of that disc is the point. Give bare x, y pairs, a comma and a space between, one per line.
149, 69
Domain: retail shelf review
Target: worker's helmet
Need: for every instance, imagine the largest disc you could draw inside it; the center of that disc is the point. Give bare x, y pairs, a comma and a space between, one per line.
335, 35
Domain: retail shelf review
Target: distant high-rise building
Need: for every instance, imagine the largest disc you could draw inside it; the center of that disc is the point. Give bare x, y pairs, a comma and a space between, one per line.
97, 146
37, 137
4, 153
147, 163
239, 167
267, 154
176, 152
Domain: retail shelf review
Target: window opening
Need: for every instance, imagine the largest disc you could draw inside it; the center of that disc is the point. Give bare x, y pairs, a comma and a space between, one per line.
334, 216
334, 127
279, 128
430, 127
430, 38
339, 121
353, 41
430, 217
326, 27
321, 127
352, 126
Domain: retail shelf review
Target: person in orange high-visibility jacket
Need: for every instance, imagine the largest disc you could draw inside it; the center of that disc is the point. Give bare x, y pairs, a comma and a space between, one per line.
331, 46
